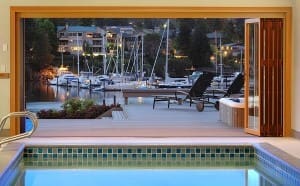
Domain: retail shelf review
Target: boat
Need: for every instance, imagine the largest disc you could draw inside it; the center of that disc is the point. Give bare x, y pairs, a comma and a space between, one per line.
169, 82
63, 77
194, 76
87, 80
101, 88
104, 81
175, 83
223, 81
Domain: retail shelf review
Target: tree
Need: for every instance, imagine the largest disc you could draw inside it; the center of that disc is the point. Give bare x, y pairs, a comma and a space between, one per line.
47, 27
151, 44
184, 37
40, 43
177, 67
234, 31
200, 50
86, 22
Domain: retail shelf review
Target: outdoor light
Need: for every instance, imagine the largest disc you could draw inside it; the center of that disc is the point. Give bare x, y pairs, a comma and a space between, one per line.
140, 100
96, 54
225, 53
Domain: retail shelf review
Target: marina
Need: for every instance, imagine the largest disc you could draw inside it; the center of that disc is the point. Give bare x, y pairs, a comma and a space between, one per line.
97, 79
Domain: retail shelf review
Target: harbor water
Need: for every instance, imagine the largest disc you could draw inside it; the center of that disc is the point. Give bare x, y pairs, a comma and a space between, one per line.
40, 95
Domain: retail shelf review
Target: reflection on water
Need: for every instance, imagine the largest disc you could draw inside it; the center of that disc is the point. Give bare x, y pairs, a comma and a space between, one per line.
38, 92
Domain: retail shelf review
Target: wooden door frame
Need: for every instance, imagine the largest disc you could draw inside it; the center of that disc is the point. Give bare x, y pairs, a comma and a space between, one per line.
17, 13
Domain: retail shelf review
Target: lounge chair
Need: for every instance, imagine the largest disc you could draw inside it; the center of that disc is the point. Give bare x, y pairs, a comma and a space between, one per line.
194, 95
234, 90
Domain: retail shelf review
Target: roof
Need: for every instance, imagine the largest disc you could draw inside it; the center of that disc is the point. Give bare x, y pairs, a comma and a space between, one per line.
77, 28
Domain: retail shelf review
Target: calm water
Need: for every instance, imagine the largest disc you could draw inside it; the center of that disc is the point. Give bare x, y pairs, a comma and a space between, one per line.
143, 177
42, 96
72, 172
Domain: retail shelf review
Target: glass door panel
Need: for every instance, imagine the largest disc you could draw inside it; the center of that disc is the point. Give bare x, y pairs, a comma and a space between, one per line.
252, 57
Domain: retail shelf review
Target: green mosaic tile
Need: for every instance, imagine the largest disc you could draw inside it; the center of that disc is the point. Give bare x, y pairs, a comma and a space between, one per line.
140, 153
40, 150
90, 151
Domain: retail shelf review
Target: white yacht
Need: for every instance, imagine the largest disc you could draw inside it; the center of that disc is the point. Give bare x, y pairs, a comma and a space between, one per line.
63, 77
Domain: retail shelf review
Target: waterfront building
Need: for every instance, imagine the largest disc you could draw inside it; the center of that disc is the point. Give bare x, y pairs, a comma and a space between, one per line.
73, 38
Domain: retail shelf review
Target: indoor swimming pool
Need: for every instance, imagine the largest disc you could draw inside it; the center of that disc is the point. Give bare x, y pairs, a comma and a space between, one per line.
148, 165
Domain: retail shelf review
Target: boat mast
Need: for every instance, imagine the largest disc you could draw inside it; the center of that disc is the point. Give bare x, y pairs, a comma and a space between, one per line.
142, 60
62, 58
77, 43
167, 52
216, 58
122, 54
157, 53
104, 52
137, 57
221, 57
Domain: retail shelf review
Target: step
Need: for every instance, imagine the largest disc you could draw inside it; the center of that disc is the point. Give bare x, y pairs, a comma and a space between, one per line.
119, 115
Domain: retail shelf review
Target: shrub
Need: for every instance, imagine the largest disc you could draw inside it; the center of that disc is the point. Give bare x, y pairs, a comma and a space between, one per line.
74, 105
76, 109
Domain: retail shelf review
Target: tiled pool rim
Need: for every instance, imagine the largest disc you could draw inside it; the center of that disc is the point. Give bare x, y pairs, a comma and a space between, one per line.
140, 152
279, 162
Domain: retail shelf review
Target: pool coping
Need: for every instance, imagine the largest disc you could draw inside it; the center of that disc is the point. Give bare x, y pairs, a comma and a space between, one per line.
278, 153
9, 155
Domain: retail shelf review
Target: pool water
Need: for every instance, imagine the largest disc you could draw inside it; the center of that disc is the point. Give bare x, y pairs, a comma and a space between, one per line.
142, 177
147, 166
28, 125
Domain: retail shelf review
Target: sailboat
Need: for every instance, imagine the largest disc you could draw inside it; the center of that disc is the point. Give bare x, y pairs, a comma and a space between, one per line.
169, 82
87, 79
127, 78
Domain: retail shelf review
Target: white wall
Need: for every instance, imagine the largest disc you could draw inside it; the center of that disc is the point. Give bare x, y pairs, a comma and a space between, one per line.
4, 98
5, 34
4, 60
296, 40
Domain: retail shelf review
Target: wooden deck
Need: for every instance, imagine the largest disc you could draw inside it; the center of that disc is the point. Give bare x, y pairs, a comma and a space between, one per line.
140, 120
